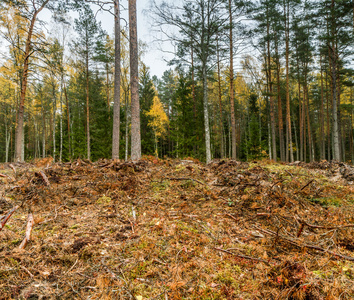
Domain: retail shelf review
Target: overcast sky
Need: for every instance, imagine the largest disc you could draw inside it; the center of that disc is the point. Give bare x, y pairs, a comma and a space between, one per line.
154, 58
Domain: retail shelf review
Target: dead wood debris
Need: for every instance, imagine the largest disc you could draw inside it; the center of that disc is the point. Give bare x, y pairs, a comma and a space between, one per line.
142, 230
30, 222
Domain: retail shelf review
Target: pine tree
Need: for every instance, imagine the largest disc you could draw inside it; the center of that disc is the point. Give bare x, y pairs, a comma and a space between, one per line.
89, 32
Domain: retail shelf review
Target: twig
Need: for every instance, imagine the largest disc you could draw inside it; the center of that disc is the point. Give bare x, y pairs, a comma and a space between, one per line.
242, 256
7, 176
289, 173
30, 223
295, 243
325, 227
232, 217
279, 181
72, 267
28, 272
307, 184
7, 217
185, 178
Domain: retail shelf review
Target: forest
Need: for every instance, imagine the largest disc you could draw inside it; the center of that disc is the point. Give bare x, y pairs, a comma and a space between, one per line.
230, 176
249, 80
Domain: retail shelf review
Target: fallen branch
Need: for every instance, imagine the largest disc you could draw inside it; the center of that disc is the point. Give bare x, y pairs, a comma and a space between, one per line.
242, 256
298, 244
306, 185
325, 227
303, 224
29, 227
7, 176
13, 168
45, 178
185, 178
289, 173
232, 217
7, 217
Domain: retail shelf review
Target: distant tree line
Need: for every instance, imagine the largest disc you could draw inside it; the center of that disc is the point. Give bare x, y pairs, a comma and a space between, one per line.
250, 80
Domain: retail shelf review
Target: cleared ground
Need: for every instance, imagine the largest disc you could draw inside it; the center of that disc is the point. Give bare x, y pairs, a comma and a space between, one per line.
178, 230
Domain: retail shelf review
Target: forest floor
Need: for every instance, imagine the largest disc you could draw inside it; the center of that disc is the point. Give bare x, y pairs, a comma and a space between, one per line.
177, 229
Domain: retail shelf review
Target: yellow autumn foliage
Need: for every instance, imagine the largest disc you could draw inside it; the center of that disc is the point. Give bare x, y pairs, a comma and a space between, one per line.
158, 118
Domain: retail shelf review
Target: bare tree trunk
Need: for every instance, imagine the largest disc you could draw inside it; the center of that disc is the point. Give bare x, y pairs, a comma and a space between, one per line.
280, 112
333, 66
134, 82
232, 105
44, 127
7, 141
19, 134
194, 107
328, 123
309, 132
116, 106
220, 108
54, 117
126, 125
271, 103
87, 111
68, 118
322, 134
351, 123
61, 123
289, 146
206, 114
296, 141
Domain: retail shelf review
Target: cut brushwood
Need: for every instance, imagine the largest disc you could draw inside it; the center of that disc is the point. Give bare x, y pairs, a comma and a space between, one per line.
44, 177
30, 222
7, 217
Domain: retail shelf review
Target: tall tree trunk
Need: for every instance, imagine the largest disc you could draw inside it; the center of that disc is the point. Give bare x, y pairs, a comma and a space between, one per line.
289, 146
328, 123
134, 83
126, 94
7, 141
333, 63
61, 125
232, 105
116, 106
68, 118
19, 135
107, 88
54, 117
296, 141
322, 134
88, 110
206, 113
271, 101
220, 108
309, 132
280, 112
44, 125
194, 107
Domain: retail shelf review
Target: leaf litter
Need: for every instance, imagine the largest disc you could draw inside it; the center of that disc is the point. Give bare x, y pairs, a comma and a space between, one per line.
177, 229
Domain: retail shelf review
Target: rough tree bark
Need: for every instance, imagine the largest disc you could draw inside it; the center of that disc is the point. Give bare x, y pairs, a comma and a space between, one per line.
116, 106
232, 104
134, 83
